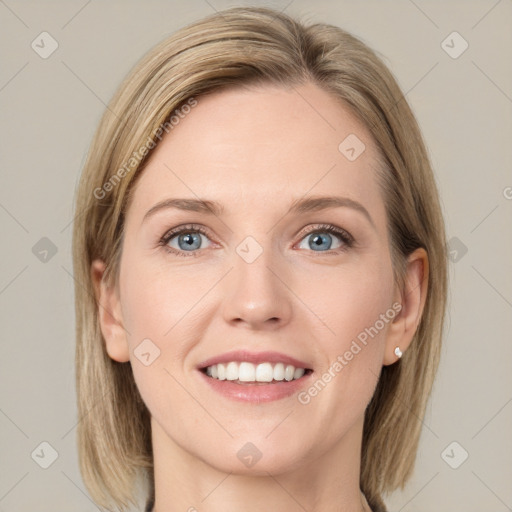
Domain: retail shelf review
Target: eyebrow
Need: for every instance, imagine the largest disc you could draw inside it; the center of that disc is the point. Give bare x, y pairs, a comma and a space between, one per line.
306, 205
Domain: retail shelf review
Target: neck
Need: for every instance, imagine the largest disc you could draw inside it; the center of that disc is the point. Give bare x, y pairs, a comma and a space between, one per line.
327, 482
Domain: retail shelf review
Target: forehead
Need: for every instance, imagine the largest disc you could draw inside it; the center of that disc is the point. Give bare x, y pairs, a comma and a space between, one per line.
263, 147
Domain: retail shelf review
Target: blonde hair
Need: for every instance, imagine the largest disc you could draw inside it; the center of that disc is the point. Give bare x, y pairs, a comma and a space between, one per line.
234, 48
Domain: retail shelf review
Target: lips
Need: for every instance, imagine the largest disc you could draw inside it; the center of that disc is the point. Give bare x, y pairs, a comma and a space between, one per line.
255, 377
255, 358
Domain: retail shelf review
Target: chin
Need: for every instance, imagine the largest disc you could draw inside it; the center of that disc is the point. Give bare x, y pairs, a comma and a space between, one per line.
256, 457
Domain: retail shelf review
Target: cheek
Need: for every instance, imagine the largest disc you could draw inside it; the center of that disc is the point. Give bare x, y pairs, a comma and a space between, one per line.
157, 298
352, 302
358, 311
155, 306
162, 310
350, 347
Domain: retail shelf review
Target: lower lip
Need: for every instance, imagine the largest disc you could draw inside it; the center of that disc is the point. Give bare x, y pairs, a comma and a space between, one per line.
257, 392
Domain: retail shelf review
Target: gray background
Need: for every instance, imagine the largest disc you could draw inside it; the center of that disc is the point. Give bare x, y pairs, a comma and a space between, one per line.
50, 108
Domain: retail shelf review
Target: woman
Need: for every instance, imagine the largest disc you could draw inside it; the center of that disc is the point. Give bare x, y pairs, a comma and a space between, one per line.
262, 253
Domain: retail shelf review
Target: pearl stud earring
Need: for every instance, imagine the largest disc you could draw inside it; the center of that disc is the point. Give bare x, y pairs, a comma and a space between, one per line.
398, 352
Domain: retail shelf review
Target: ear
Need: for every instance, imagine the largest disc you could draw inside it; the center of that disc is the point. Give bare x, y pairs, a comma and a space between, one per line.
401, 331
110, 315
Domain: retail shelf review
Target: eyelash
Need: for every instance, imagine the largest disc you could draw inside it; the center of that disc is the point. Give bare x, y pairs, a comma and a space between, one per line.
345, 237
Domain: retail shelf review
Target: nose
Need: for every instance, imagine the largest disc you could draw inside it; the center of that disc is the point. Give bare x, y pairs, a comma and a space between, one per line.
256, 294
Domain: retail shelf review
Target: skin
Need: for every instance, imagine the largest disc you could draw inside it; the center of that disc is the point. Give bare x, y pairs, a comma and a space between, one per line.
255, 151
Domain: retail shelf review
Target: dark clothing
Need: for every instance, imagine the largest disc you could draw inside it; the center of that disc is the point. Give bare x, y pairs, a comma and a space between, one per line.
376, 507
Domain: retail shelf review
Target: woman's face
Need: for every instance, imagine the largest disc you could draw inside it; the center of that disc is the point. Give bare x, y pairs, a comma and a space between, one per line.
263, 281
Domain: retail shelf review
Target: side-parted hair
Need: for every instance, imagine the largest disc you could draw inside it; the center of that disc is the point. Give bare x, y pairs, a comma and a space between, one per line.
234, 48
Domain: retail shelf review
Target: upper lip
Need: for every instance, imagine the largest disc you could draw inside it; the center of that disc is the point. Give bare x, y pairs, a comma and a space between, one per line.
253, 357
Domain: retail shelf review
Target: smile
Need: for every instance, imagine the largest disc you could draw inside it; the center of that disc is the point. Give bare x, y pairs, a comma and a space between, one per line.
255, 377
246, 372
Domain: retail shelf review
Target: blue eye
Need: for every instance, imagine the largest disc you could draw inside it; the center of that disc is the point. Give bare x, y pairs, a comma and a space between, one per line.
322, 237
320, 241
187, 240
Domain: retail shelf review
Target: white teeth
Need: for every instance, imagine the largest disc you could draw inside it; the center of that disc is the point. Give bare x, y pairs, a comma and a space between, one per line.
264, 372
232, 371
249, 372
246, 372
279, 371
289, 371
299, 372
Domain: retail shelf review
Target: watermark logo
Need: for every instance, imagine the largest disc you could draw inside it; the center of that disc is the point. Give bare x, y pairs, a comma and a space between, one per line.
44, 455
44, 45
249, 249
146, 352
249, 454
454, 45
456, 249
352, 147
44, 250
454, 455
